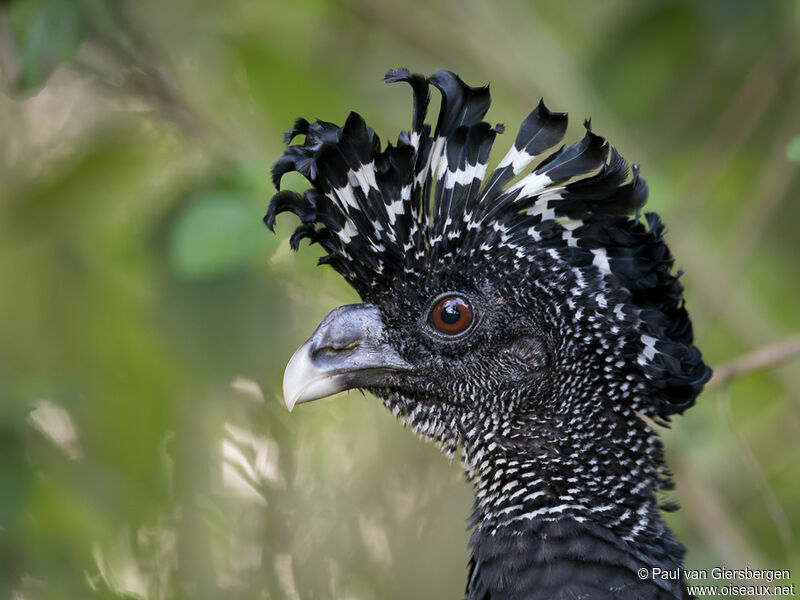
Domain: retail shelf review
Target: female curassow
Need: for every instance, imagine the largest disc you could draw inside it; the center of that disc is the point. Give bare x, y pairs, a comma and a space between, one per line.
530, 317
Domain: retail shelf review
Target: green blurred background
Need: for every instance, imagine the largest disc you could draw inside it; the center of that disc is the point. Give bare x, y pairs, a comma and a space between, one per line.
146, 314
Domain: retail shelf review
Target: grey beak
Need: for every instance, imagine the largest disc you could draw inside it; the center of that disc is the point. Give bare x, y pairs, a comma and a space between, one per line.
346, 351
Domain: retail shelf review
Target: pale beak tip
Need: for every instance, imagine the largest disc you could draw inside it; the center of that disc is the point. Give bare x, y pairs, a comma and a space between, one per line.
292, 384
289, 403
293, 377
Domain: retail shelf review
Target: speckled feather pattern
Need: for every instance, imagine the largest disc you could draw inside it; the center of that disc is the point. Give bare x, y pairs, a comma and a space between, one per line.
582, 328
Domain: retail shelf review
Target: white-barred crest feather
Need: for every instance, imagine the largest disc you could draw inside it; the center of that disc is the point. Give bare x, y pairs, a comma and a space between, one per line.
383, 212
400, 212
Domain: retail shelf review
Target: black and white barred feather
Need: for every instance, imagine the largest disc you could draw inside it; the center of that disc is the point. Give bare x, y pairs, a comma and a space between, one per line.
393, 214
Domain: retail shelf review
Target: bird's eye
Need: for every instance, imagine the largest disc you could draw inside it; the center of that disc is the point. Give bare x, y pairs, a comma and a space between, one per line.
451, 315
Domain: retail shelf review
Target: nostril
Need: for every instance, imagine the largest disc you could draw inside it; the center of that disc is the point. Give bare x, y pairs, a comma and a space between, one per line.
330, 350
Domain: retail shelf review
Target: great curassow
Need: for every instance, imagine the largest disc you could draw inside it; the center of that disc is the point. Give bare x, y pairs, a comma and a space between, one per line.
529, 317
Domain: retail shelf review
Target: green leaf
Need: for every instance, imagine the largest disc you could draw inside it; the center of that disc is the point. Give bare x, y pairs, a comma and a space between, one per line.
216, 233
46, 33
793, 150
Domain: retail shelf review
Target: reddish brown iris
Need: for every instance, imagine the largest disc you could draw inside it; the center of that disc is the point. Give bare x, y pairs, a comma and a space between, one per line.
451, 315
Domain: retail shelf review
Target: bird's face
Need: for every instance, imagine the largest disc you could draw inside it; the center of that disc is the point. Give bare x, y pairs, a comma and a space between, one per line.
456, 343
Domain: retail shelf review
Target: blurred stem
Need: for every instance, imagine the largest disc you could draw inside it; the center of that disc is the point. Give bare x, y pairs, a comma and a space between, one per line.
709, 514
777, 514
759, 359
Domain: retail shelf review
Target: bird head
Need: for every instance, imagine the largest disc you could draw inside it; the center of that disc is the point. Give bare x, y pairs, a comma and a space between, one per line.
536, 294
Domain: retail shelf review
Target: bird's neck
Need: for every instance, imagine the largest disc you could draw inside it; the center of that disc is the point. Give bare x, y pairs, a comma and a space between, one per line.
549, 493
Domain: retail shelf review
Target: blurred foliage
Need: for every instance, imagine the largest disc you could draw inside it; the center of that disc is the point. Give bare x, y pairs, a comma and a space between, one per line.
45, 34
215, 232
146, 315
793, 150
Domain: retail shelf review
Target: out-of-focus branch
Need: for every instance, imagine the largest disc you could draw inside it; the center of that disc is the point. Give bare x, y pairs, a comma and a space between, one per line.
761, 358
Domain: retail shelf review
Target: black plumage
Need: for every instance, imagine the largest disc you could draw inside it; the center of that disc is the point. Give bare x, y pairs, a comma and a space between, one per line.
568, 328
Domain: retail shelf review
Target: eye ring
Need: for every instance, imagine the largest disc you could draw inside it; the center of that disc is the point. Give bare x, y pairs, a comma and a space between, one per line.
451, 315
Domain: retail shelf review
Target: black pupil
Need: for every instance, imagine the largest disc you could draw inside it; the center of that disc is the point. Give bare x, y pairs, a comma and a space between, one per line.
450, 313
